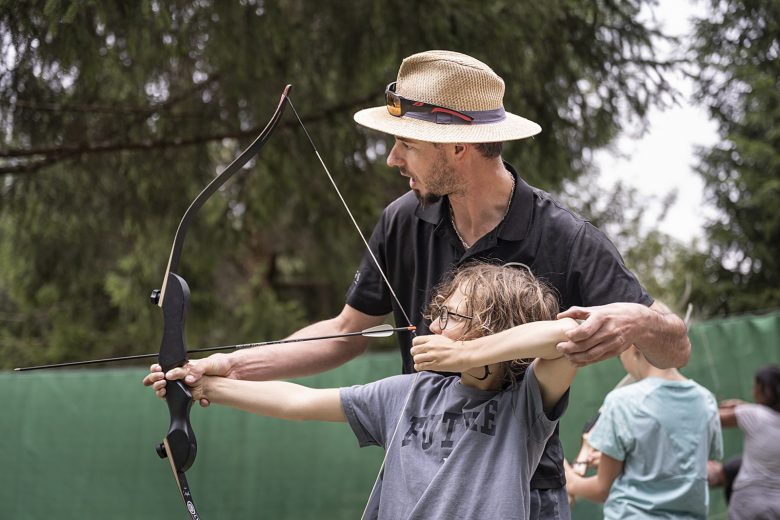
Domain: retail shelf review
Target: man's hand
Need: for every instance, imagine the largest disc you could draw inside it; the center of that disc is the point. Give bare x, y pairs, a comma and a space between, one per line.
607, 330
191, 373
436, 352
198, 389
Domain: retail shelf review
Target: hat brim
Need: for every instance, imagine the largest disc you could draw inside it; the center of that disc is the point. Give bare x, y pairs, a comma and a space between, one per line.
512, 128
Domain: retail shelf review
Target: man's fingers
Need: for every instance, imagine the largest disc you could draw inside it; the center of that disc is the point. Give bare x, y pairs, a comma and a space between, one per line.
584, 330
176, 373
577, 347
580, 356
577, 313
594, 354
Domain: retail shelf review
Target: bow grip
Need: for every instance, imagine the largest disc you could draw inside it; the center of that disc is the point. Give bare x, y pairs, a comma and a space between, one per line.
182, 446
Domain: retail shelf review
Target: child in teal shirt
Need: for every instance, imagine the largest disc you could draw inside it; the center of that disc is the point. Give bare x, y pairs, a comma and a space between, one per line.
655, 437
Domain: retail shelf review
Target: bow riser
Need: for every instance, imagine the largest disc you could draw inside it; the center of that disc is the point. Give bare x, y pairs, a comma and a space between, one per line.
182, 446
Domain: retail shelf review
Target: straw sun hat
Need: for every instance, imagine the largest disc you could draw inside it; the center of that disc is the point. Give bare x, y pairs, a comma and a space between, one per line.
447, 97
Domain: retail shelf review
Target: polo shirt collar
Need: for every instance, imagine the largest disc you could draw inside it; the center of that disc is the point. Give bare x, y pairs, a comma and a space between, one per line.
520, 210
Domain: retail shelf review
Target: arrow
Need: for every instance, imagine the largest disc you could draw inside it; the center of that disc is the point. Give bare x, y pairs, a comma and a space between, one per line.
380, 331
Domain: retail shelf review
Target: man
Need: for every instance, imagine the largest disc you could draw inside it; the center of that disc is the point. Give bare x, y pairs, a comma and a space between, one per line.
446, 113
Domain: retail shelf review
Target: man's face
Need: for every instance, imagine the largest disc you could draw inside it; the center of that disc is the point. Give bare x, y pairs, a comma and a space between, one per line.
426, 164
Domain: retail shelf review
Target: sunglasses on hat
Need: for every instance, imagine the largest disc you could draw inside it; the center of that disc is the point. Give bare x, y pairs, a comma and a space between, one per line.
398, 106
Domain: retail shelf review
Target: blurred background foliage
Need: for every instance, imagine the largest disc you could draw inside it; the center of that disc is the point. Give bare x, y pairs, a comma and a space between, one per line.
113, 116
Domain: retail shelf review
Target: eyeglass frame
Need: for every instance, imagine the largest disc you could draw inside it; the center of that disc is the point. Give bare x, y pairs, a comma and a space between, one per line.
409, 105
442, 314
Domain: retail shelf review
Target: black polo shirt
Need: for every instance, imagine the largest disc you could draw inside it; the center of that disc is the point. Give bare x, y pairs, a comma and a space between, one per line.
417, 247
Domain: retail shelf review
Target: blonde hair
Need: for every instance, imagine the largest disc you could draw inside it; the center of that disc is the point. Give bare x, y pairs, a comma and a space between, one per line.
498, 297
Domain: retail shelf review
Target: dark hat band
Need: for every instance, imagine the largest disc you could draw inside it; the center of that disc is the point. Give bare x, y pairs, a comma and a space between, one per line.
481, 117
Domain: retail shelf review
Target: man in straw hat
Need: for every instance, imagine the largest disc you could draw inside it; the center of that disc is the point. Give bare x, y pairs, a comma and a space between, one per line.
447, 115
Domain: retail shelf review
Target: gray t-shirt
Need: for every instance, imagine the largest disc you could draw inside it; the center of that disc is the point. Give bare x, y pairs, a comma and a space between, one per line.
460, 452
761, 454
757, 487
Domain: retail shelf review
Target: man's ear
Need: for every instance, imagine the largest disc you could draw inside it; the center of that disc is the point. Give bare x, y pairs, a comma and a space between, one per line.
459, 150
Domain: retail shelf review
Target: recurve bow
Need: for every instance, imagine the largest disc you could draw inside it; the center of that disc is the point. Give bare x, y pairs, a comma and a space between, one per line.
179, 445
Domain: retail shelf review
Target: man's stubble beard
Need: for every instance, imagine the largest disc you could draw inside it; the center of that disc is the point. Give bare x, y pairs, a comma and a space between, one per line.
441, 182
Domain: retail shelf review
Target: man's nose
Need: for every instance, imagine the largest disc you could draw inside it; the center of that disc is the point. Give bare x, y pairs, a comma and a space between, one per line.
393, 158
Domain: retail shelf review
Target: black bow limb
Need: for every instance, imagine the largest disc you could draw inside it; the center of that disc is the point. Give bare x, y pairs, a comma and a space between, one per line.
179, 445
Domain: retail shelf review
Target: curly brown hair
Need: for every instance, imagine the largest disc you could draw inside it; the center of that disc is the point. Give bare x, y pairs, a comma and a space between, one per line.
498, 297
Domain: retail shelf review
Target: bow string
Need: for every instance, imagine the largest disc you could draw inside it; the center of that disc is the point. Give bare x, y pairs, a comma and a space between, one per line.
394, 296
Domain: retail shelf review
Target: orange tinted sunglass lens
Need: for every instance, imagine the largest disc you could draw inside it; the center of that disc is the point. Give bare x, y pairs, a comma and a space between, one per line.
393, 104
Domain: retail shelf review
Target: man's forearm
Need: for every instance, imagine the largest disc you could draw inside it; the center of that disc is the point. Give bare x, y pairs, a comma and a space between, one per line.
304, 358
295, 359
665, 341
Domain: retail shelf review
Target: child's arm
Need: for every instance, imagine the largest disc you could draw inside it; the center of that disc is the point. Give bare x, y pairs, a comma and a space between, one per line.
554, 377
272, 398
727, 410
595, 488
530, 340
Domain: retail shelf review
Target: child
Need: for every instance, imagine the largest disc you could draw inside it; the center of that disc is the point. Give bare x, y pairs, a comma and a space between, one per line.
655, 437
466, 446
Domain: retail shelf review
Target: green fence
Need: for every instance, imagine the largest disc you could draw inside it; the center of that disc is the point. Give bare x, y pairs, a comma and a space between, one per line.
79, 444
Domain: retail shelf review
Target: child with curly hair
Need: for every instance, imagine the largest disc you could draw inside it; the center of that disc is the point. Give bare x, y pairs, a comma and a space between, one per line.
457, 446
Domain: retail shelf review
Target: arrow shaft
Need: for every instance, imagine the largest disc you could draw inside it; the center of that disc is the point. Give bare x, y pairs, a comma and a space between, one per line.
366, 332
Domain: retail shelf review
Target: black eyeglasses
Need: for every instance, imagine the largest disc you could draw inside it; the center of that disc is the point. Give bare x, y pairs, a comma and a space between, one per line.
399, 105
443, 314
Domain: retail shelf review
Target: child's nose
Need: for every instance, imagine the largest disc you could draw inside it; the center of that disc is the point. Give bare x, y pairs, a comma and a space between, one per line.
435, 328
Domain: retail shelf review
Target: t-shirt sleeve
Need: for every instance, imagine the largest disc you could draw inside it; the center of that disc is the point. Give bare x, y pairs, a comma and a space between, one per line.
716, 440
612, 432
368, 292
715, 433
597, 274
372, 410
540, 424
749, 418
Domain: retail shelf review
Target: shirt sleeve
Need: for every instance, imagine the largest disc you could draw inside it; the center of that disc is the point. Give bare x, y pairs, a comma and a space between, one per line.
372, 410
716, 439
748, 418
612, 433
714, 429
597, 274
541, 425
